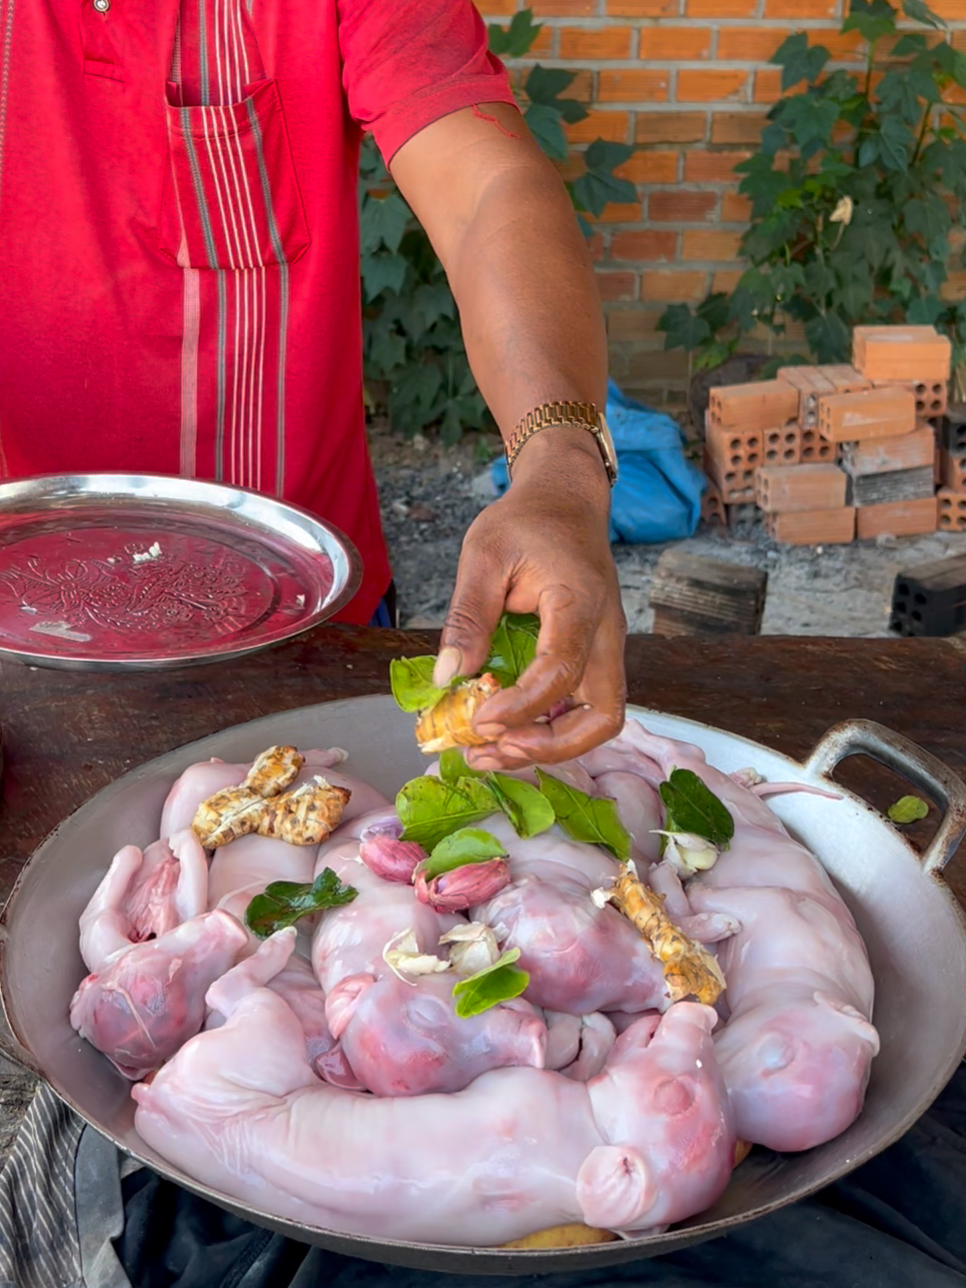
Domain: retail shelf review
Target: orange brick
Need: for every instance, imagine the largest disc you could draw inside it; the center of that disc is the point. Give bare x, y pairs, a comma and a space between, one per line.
712, 167
735, 208
720, 9
885, 455
815, 447
681, 207
645, 244
633, 86
712, 506
952, 471
710, 86
617, 286
674, 287
783, 446
670, 127
612, 126
643, 8
726, 280
619, 212
902, 353
952, 511
651, 167
768, 85
562, 8
764, 404
866, 414
632, 325
737, 127
844, 378
784, 489
711, 244
604, 42
735, 483
674, 44
749, 44
813, 527
897, 518
810, 383
498, 8
801, 9
931, 396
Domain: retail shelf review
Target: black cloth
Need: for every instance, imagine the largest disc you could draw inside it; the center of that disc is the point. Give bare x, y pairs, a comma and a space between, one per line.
897, 1222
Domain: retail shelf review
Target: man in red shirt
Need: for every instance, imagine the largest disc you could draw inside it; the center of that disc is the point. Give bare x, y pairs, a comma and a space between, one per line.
179, 259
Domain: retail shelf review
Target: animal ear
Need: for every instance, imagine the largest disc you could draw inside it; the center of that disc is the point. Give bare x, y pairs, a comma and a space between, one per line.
614, 1188
854, 1019
341, 1003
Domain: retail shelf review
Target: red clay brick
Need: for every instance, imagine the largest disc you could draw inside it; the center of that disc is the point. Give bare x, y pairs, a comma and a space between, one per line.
737, 127
710, 244
605, 42
813, 528
867, 414
681, 207
735, 208
783, 446
696, 86
735, 483
902, 353
612, 126
712, 167
720, 9
749, 44
712, 506
897, 518
633, 85
810, 383
670, 127
931, 396
764, 404
563, 8
952, 471
632, 325
645, 244
651, 167
784, 489
617, 286
643, 8
815, 447
674, 287
885, 455
844, 378
675, 44
620, 212
952, 511
798, 9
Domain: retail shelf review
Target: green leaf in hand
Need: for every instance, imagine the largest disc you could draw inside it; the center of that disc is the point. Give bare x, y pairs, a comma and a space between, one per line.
468, 845
528, 809
412, 683
500, 982
513, 647
283, 903
430, 810
586, 818
692, 807
453, 766
908, 810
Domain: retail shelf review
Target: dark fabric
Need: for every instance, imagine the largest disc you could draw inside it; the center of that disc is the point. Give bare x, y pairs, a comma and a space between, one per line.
387, 614
895, 1223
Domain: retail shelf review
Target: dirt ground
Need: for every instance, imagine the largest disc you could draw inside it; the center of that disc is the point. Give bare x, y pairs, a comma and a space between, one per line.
430, 494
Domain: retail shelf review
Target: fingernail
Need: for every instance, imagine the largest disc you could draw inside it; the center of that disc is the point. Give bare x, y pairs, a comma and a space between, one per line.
447, 666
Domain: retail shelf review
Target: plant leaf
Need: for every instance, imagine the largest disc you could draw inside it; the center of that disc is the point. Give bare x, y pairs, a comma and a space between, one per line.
283, 903
683, 328
586, 818
384, 220
908, 809
545, 124
500, 982
453, 766
528, 809
468, 845
412, 684
513, 647
691, 806
430, 810
919, 11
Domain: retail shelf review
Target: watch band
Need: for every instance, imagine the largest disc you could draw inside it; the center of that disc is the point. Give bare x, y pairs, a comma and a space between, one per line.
573, 415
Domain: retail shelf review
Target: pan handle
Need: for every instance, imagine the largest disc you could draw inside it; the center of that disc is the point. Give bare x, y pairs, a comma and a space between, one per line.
856, 737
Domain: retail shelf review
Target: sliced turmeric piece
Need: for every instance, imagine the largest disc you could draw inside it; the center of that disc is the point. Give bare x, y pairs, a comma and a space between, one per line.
689, 969
563, 1236
274, 770
450, 722
305, 816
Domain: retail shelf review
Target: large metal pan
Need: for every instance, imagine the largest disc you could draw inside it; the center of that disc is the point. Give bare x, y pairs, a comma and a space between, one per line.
911, 922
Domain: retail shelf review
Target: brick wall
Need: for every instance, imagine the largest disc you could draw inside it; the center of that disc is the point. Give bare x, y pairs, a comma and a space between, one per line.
689, 82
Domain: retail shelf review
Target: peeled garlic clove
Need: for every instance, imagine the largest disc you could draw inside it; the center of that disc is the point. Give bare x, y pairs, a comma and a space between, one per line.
401, 954
473, 947
463, 887
687, 853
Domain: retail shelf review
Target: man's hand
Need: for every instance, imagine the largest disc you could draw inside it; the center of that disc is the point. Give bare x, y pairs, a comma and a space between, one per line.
543, 548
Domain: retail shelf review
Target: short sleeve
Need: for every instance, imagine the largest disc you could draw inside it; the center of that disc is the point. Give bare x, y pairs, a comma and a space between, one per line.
406, 63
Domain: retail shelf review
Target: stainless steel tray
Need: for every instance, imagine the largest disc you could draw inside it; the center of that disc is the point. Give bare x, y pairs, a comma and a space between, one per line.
114, 571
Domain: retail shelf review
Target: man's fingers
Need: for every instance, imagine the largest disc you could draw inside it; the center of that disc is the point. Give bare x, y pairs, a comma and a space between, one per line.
567, 629
474, 613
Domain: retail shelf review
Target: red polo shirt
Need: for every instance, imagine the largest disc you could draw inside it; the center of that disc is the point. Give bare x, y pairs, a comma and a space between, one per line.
179, 256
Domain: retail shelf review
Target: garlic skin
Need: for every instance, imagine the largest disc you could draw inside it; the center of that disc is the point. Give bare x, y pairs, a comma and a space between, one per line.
464, 887
473, 948
389, 857
401, 954
688, 854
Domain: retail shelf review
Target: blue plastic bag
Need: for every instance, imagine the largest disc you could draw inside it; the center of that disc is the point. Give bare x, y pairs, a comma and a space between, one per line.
657, 496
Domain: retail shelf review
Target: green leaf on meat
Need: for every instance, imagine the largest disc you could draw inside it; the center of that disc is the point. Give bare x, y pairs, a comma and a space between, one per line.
283, 903
692, 807
500, 982
430, 810
586, 818
468, 845
528, 809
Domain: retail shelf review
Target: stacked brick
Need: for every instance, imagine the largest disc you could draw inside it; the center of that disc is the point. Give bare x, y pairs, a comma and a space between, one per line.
834, 453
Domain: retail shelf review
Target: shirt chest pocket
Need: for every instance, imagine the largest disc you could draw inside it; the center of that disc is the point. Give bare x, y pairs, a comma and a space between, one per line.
230, 197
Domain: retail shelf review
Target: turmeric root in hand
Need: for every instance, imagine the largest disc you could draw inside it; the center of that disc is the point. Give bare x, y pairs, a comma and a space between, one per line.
450, 722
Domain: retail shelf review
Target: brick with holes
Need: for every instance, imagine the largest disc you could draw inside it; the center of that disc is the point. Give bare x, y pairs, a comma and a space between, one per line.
952, 511
813, 527
784, 489
896, 518
782, 446
931, 395
930, 599
844, 378
952, 470
884, 455
817, 448
810, 383
953, 429
866, 414
736, 483
917, 353
712, 506
763, 404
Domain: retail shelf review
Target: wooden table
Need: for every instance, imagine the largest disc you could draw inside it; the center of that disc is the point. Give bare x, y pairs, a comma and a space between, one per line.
68, 734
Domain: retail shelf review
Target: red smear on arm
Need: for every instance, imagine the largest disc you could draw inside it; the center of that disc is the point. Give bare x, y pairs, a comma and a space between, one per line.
483, 116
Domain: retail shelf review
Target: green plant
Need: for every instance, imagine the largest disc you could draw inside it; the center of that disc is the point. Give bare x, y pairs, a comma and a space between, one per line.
856, 191
413, 347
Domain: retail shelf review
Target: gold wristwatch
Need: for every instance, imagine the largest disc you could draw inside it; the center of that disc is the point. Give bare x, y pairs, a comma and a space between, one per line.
569, 415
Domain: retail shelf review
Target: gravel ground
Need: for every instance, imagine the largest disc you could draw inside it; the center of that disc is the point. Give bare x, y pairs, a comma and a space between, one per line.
431, 494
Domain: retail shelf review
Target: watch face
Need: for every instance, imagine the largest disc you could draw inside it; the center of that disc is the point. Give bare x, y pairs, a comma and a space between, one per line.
607, 442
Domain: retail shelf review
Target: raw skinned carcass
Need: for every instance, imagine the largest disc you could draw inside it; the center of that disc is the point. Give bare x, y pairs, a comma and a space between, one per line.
402, 1036
145, 997
797, 1048
647, 1142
